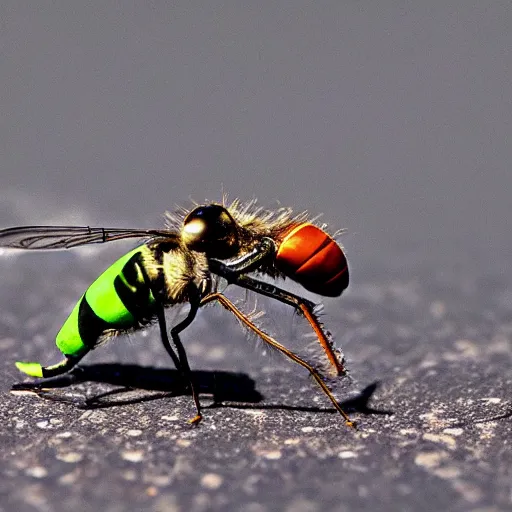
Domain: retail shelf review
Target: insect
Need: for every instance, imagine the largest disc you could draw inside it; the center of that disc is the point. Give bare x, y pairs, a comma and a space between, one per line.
182, 264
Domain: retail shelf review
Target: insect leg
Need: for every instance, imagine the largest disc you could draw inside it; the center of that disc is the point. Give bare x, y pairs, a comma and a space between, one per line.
180, 360
227, 304
183, 361
160, 314
165, 339
303, 306
248, 262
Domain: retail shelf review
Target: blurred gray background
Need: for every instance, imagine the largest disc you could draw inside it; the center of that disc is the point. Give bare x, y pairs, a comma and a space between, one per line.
393, 119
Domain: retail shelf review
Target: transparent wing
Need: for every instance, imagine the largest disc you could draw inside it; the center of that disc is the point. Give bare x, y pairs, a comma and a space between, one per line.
65, 237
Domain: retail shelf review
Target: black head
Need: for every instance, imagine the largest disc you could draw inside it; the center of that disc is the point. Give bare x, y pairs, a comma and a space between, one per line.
212, 230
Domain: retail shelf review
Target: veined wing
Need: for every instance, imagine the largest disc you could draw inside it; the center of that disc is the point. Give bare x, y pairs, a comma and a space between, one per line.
66, 237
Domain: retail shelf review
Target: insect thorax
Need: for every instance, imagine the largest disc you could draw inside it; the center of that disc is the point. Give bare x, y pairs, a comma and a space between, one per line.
173, 268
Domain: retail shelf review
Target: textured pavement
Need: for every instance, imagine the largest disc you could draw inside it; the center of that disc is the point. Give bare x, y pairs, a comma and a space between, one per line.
393, 120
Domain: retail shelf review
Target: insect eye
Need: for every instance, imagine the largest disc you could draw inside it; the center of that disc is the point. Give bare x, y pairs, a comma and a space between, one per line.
212, 230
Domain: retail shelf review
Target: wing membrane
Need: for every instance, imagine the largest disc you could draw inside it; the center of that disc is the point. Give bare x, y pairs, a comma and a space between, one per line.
66, 237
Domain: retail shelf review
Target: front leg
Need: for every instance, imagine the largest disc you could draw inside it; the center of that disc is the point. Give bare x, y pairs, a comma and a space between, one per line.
247, 263
236, 274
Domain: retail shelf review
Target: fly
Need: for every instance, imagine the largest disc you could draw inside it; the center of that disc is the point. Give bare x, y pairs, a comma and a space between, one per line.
180, 264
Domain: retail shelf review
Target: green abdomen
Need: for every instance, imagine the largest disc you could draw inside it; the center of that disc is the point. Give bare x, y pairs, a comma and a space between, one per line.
119, 299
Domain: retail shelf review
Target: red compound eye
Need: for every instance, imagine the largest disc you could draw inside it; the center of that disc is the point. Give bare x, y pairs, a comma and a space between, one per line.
313, 259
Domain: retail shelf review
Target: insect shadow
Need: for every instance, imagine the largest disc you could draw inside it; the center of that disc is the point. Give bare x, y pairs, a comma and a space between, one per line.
358, 403
221, 385
238, 389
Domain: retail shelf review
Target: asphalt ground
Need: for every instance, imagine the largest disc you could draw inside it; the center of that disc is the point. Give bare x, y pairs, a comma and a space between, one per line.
430, 394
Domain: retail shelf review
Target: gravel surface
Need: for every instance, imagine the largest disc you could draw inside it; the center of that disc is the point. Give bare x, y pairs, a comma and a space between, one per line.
431, 372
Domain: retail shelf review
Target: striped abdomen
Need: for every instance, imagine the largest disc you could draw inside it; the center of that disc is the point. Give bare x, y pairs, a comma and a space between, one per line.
119, 299
312, 258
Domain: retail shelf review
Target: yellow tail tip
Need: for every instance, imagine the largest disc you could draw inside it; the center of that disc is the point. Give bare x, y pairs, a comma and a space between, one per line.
32, 369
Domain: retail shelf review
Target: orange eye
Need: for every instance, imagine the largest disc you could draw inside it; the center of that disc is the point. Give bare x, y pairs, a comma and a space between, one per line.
312, 258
